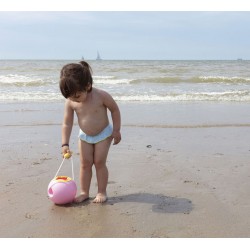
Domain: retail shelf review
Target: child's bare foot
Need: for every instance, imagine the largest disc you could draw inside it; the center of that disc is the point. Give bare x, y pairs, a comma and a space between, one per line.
100, 198
82, 197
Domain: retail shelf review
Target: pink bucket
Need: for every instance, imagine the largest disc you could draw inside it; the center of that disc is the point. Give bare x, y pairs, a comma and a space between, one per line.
62, 190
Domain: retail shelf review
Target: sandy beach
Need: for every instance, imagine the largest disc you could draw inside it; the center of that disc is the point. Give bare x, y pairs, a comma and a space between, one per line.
181, 171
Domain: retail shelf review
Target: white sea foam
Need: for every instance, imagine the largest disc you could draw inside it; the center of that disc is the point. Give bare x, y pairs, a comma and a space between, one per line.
111, 80
193, 79
233, 96
103, 77
223, 79
34, 96
20, 80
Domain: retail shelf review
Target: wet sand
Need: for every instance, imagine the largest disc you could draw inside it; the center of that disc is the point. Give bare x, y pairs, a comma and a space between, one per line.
181, 170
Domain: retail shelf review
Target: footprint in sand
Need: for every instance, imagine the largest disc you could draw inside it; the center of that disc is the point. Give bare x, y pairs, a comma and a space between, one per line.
218, 154
30, 216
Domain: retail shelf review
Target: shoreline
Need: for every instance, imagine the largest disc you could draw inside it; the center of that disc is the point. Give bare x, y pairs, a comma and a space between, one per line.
164, 113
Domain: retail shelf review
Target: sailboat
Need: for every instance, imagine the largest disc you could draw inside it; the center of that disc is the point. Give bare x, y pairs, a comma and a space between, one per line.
98, 58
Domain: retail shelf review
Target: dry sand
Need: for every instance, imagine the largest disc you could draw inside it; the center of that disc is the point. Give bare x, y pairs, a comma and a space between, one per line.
181, 170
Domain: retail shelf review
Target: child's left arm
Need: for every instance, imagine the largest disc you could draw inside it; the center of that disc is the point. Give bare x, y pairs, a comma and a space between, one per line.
110, 103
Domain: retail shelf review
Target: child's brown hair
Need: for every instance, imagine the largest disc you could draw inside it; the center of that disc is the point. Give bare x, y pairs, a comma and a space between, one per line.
75, 77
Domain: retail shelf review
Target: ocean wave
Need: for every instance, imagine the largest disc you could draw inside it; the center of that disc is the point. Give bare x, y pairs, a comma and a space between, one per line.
19, 80
112, 80
194, 79
22, 81
103, 77
221, 79
30, 96
230, 96
158, 80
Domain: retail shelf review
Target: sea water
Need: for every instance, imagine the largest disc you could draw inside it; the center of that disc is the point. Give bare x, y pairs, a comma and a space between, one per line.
132, 81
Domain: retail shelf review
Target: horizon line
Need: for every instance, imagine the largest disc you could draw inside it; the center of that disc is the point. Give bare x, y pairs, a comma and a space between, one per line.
88, 59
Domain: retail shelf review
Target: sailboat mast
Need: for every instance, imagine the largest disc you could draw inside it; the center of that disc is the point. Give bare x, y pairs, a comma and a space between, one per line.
98, 56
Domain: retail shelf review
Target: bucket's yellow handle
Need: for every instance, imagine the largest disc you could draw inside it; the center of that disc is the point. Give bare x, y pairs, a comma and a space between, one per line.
67, 155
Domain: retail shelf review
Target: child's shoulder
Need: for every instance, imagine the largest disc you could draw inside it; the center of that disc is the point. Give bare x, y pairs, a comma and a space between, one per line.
100, 92
69, 103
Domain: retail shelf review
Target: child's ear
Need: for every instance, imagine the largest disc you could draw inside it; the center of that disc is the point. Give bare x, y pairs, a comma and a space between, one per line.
89, 87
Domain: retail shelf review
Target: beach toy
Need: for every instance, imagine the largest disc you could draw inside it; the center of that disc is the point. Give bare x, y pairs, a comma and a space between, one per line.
62, 189
67, 155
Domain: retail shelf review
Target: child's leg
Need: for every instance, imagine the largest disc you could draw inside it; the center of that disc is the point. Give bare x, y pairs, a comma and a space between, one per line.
86, 162
100, 156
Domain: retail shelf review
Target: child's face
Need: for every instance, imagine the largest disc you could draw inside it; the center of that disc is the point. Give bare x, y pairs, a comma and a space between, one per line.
79, 97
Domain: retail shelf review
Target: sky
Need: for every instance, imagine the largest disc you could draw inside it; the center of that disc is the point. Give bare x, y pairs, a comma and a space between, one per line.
125, 35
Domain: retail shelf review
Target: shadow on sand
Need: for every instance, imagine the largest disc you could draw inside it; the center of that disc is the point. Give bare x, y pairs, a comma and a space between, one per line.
161, 203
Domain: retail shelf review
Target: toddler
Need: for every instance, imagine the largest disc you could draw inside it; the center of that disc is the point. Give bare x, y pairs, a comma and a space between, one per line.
96, 133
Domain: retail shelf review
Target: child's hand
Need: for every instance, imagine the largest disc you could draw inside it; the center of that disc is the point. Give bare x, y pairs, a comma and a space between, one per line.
67, 155
117, 137
66, 152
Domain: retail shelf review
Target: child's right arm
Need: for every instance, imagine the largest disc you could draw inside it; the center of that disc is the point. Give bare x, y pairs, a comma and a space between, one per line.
67, 125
